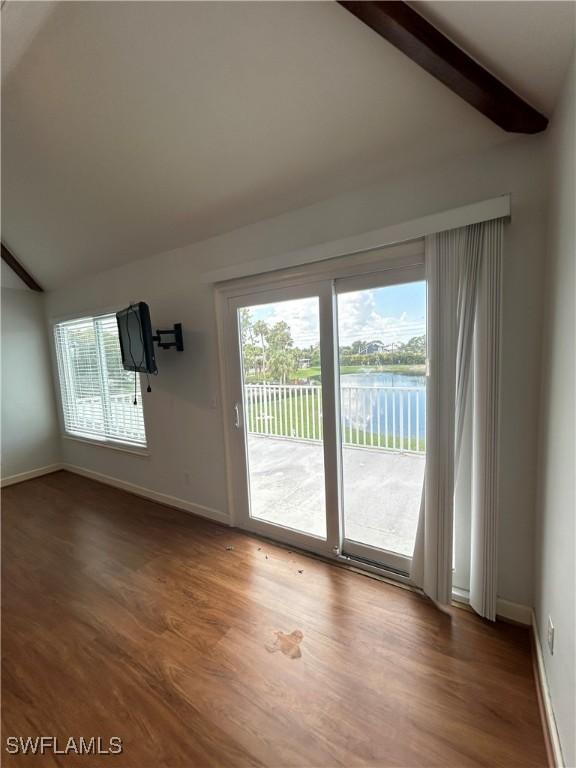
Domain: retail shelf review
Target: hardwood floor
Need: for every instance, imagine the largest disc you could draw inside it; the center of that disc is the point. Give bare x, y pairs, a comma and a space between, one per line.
122, 617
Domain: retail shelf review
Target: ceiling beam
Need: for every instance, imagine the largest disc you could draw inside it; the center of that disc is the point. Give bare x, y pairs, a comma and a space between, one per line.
16, 267
411, 33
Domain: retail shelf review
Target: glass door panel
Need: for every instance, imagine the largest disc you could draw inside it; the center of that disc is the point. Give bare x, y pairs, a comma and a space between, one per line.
326, 409
382, 378
283, 420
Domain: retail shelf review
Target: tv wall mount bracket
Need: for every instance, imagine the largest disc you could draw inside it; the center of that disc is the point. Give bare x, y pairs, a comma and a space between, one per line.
176, 342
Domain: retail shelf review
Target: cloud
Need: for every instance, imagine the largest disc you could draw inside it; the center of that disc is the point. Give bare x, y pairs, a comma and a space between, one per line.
302, 316
358, 319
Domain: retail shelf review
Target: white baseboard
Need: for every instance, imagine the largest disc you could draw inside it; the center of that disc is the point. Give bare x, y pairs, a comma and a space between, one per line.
548, 713
23, 476
147, 493
522, 614
505, 609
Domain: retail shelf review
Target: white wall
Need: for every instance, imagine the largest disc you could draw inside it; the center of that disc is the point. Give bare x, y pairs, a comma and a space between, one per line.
30, 437
183, 415
554, 541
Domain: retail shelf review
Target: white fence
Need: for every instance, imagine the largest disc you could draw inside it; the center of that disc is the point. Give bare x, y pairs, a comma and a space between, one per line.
376, 417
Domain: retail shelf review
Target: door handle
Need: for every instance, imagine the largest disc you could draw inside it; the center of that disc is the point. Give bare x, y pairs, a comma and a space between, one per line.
236, 415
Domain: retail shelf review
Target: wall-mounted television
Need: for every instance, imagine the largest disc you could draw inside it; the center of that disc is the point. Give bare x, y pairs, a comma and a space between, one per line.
136, 339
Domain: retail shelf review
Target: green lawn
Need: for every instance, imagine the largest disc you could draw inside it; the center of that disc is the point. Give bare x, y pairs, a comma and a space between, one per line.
294, 416
313, 373
413, 370
297, 417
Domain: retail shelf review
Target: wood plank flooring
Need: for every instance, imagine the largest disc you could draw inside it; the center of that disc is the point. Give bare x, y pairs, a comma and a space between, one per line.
122, 617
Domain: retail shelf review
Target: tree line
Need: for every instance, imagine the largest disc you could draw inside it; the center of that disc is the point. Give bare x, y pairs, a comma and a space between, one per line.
268, 351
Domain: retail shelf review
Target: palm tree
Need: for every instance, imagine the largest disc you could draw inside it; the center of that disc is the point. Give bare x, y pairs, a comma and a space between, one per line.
261, 329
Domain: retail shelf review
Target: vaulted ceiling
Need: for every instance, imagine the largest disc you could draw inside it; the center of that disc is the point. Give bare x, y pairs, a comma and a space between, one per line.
131, 128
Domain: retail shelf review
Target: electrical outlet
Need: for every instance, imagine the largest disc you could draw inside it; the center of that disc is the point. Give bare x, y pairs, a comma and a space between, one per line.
550, 636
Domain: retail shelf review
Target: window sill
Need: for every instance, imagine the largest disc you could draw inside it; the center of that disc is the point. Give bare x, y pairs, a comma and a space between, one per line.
123, 447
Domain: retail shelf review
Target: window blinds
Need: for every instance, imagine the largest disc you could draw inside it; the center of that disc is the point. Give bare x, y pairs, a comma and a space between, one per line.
97, 393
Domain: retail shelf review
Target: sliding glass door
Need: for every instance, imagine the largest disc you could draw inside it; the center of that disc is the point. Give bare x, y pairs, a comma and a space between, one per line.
327, 412
382, 388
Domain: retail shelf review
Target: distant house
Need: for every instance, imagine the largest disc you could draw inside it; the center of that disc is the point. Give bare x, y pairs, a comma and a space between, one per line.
376, 346
304, 362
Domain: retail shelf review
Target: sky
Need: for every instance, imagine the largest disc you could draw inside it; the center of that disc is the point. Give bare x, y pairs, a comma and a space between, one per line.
394, 313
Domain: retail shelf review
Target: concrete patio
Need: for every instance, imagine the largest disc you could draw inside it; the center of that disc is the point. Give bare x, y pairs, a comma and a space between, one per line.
382, 490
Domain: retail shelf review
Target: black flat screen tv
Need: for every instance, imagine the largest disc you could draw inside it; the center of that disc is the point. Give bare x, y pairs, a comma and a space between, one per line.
136, 338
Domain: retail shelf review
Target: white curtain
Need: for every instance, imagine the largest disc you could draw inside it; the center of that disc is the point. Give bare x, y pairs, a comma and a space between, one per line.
432, 559
469, 245
463, 269
486, 420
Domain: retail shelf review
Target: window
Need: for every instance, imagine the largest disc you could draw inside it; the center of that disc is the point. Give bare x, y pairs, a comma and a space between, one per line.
97, 393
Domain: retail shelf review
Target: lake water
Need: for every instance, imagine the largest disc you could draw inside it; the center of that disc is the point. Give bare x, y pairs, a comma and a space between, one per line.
392, 404
380, 379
